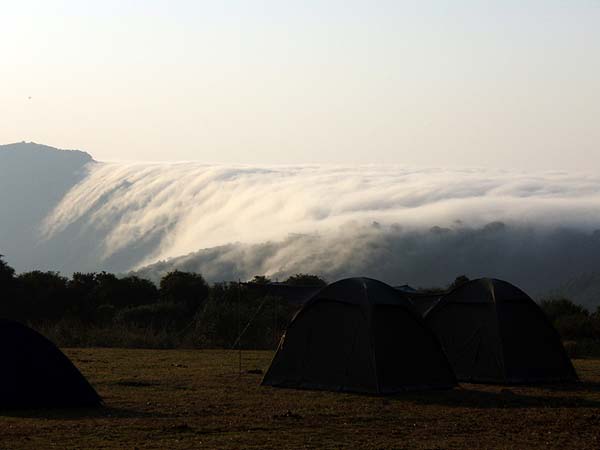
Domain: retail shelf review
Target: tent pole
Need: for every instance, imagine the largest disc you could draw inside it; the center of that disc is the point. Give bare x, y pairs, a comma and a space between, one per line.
238, 328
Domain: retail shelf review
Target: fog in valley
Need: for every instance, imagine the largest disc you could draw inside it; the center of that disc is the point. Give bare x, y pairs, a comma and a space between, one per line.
63, 211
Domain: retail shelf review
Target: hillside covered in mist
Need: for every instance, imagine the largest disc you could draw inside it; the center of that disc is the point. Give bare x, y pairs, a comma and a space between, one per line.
60, 210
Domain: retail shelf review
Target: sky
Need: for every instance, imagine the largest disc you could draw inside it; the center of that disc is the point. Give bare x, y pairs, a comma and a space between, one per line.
505, 84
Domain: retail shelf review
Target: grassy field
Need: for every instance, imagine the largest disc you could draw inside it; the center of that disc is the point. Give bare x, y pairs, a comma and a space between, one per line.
168, 399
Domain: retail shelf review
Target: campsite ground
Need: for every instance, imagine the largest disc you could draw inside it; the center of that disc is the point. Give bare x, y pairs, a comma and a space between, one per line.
163, 399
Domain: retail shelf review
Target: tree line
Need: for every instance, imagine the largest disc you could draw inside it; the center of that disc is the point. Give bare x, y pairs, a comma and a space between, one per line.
184, 310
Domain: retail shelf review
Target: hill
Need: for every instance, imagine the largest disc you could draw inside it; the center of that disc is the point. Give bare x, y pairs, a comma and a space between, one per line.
61, 210
33, 180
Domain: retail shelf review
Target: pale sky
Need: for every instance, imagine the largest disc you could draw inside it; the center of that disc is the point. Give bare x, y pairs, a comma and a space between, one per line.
510, 84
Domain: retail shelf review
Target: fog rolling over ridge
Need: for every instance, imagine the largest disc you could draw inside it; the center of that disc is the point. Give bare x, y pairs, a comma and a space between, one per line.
398, 224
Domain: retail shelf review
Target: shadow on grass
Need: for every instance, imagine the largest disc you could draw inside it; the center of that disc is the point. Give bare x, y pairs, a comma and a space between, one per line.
79, 413
472, 397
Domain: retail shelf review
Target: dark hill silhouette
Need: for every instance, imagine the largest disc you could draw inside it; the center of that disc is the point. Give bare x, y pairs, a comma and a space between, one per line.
33, 179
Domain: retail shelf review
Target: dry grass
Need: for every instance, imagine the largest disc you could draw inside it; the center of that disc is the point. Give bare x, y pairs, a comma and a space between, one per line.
164, 399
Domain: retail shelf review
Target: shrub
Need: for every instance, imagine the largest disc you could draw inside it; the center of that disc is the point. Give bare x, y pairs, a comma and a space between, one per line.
232, 309
304, 279
41, 295
559, 307
157, 316
187, 289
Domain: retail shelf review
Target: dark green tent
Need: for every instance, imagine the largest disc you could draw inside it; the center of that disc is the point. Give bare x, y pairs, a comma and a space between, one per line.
493, 332
424, 302
359, 335
37, 374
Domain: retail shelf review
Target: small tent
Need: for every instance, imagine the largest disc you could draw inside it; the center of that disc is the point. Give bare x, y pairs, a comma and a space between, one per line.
35, 373
493, 332
359, 335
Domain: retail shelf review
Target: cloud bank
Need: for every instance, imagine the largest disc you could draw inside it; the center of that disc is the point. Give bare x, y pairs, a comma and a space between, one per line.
537, 260
173, 209
399, 224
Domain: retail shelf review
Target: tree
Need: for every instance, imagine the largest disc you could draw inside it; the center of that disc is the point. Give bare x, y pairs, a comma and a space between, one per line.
304, 279
82, 290
561, 307
184, 288
136, 291
458, 281
42, 295
7, 285
120, 292
7, 273
233, 309
156, 316
572, 321
106, 291
260, 279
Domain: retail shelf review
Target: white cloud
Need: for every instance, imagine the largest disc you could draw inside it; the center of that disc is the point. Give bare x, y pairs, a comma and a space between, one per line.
187, 206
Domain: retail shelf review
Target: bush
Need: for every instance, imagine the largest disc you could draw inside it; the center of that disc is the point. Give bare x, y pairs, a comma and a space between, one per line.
105, 314
157, 316
41, 295
579, 329
560, 307
575, 326
303, 279
7, 273
73, 333
104, 288
187, 289
232, 309
458, 281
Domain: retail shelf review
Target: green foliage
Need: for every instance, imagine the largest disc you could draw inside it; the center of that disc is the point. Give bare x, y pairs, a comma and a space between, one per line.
7, 287
104, 314
7, 274
304, 279
41, 295
575, 325
157, 316
458, 281
260, 279
92, 290
83, 289
560, 307
232, 311
125, 292
186, 289
184, 309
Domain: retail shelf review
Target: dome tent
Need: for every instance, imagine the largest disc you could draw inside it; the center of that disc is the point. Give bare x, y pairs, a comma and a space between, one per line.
359, 335
493, 332
35, 373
